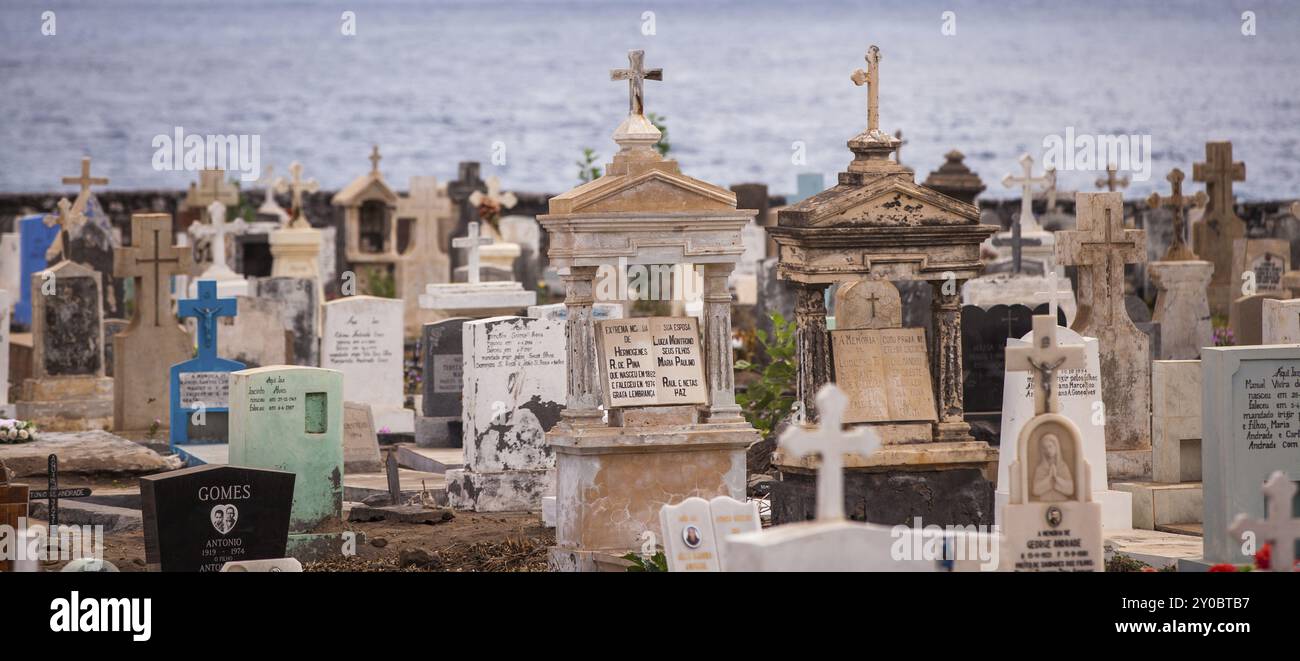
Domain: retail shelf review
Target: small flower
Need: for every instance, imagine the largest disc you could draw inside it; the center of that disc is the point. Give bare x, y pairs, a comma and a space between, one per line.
385, 430
1149, 570
23, 434
1264, 557
1223, 567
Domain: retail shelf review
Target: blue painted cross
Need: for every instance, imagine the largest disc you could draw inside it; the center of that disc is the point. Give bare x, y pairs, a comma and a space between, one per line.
205, 309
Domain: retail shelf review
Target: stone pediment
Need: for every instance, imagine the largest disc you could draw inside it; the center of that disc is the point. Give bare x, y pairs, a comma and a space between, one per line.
656, 188
885, 202
366, 187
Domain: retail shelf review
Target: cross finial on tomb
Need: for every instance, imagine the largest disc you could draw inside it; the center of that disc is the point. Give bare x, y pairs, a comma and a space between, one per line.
1217, 172
1052, 293
471, 242
217, 230
1110, 182
635, 75
206, 309
831, 442
374, 159
85, 181
1178, 249
871, 78
298, 186
1044, 357
1278, 527
1027, 182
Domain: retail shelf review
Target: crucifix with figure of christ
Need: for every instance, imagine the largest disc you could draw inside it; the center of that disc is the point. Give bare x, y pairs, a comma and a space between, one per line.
831, 442
1044, 357
636, 74
152, 259
298, 186
1178, 249
471, 242
1100, 248
206, 309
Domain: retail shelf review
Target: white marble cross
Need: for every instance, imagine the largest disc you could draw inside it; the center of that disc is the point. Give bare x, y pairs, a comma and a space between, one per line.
217, 231
636, 74
1027, 221
831, 442
1044, 358
499, 198
269, 206
471, 241
299, 186
1052, 292
1278, 527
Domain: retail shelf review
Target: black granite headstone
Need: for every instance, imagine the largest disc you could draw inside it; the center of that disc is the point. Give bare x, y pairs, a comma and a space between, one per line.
984, 336
198, 519
442, 356
70, 342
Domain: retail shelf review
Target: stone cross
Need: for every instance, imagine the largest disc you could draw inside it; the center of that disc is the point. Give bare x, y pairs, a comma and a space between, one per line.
1278, 527
68, 218
1110, 181
898, 151
153, 259
1044, 358
1027, 221
871, 78
1050, 192
1102, 246
1052, 292
831, 442
636, 74
1178, 249
374, 159
299, 186
1217, 173
85, 181
471, 241
212, 187
499, 199
205, 309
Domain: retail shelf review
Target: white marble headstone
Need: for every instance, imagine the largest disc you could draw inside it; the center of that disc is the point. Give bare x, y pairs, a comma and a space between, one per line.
1281, 321
363, 339
1079, 394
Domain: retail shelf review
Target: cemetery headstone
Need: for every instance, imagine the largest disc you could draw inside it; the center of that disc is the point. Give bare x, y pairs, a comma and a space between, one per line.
1249, 399
1247, 318
868, 304
35, 237
200, 387
258, 336
1050, 522
650, 361
198, 519
439, 422
1281, 320
695, 531
513, 391
291, 419
984, 335
1100, 248
1214, 236
363, 340
299, 302
147, 349
886, 372
360, 442
1172, 501
1280, 529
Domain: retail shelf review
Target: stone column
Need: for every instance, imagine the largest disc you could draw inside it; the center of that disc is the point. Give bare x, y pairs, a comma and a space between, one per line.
813, 343
582, 405
945, 358
717, 345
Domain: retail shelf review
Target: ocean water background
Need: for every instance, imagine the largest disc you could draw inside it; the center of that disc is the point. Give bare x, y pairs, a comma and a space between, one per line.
434, 83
